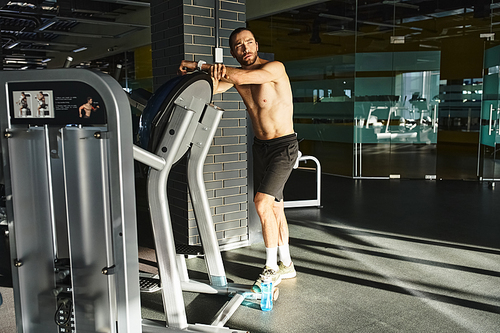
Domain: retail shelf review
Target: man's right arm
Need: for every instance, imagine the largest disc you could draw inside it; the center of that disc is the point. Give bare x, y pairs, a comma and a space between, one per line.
214, 71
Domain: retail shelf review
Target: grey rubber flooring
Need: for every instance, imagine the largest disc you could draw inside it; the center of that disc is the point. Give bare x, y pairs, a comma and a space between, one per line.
380, 256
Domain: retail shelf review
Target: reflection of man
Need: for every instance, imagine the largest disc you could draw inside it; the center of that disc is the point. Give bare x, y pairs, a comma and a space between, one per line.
86, 109
266, 92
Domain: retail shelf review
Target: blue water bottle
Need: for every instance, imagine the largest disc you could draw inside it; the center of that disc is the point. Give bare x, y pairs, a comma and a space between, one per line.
266, 301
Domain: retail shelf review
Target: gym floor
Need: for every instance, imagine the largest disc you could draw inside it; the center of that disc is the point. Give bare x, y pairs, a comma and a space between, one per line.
380, 256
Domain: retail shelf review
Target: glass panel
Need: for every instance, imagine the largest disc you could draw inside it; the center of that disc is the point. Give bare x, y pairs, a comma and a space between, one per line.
396, 111
316, 44
374, 90
397, 88
489, 168
460, 89
323, 108
386, 88
488, 164
416, 68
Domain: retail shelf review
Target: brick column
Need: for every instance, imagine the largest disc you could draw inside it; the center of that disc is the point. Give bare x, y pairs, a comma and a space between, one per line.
185, 29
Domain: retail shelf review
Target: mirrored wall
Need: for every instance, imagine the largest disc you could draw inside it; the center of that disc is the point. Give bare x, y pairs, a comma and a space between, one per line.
392, 89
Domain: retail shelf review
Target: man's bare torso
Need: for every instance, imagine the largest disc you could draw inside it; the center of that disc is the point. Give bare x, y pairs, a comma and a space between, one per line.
88, 110
270, 107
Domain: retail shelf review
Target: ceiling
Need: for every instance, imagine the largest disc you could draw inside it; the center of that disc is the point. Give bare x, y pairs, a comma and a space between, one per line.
44, 33
347, 26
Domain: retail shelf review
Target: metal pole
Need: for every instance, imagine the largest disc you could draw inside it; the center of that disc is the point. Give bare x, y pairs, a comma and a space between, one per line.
216, 19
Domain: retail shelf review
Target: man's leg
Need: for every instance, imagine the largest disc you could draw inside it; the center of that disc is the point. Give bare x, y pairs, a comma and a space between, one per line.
264, 204
283, 248
286, 267
279, 212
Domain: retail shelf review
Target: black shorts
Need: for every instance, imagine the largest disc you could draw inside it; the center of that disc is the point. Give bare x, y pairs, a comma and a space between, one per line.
273, 161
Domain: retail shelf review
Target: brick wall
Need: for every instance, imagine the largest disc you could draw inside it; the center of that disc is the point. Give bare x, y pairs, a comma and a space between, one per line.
185, 29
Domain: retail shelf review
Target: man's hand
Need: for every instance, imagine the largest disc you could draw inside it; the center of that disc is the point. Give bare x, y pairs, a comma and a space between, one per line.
186, 67
218, 71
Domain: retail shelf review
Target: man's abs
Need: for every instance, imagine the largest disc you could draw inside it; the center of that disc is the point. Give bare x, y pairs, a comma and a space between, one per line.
271, 114
271, 123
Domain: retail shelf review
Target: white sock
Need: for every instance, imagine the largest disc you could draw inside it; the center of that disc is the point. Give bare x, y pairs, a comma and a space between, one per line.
284, 251
272, 257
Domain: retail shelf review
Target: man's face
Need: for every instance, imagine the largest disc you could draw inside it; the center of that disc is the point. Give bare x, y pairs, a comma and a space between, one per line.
90, 100
245, 48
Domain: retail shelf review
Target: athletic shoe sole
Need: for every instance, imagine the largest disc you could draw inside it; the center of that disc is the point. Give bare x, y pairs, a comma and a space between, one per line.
287, 272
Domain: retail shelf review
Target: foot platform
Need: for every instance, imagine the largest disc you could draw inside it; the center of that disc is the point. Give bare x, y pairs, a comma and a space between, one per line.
149, 283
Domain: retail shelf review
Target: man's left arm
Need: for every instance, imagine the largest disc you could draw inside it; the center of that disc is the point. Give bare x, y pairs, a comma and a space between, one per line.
269, 72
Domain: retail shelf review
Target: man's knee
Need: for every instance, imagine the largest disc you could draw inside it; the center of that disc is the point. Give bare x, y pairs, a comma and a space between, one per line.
279, 204
264, 203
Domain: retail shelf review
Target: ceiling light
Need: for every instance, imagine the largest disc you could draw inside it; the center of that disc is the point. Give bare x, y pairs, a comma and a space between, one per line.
46, 60
13, 45
80, 49
335, 17
400, 4
25, 67
46, 25
16, 62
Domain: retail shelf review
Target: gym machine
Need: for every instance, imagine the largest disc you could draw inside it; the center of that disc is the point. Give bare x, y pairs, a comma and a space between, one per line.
69, 179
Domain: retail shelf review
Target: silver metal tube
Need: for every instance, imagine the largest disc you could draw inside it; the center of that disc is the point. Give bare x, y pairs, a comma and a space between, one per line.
201, 144
198, 287
148, 158
216, 19
51, 192
173, 301
228, 310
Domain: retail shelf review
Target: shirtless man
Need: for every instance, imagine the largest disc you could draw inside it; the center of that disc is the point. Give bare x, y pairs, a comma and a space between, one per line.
85, 110
265, 89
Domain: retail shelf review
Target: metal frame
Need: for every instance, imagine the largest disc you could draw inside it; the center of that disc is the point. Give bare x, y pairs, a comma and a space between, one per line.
313, 202
191, 127
79, 182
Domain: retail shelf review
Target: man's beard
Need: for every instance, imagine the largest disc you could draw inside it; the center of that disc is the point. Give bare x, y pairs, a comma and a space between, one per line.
250, 61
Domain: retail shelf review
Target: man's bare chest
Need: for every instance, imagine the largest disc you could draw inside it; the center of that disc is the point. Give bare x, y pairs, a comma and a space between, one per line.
258, 95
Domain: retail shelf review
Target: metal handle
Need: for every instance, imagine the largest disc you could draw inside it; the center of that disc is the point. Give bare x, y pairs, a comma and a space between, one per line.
491, 119
498, 121
434, 120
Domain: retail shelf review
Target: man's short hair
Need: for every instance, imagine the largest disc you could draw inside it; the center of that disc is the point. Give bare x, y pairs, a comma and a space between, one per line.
235, 32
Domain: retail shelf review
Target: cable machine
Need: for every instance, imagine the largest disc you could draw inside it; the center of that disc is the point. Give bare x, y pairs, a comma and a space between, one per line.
69, 181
